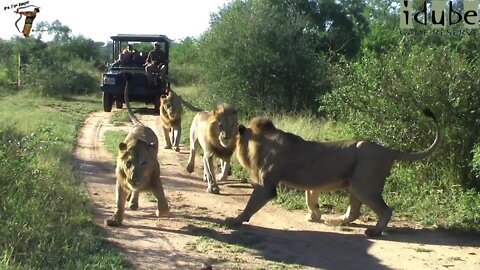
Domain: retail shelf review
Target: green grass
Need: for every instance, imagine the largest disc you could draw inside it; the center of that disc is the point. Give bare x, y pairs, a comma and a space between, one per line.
111, 140
45, 218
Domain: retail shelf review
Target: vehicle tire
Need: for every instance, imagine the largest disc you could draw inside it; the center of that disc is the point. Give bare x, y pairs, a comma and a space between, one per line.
118, 104
107, 102
156, 104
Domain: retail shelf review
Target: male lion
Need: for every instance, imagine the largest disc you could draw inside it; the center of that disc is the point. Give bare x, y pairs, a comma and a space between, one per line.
273, 156
215, 132
137, 167
171, 110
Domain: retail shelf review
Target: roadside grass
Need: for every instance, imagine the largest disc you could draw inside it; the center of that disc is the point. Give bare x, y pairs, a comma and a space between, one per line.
112, 139
45, 218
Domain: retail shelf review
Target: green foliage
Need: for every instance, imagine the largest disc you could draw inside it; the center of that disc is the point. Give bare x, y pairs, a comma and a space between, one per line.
45, 219
59, 77
476, 161
259, 55
184, 58
67, 65
380, 97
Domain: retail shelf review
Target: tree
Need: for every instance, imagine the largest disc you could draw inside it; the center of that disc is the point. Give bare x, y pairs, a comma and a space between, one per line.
271, 54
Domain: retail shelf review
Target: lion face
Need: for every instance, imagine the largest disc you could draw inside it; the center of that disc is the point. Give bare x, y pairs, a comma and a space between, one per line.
170, 104
136, 164
226, 128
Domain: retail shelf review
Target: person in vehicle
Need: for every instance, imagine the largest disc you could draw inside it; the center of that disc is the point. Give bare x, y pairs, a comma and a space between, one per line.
154, 63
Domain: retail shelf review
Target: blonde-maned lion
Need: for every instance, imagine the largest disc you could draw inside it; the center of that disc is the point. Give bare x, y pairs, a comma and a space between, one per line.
137, 167
273, 156
215, 132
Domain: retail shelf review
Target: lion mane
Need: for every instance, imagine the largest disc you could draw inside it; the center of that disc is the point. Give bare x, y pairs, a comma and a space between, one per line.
273, 156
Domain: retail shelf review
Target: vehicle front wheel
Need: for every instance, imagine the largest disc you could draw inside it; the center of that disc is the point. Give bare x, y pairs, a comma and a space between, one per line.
107, 102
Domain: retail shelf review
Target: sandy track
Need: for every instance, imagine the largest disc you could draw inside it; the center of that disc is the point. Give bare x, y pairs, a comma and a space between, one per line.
274, 237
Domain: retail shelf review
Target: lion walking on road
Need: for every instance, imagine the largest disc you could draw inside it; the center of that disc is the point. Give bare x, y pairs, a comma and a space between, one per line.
273, 156
216, 133
137, 168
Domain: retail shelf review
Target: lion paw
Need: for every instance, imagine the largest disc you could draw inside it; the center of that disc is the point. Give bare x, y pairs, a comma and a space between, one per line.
162, 212
373, 232
190, 168
312, 217
233, 222
213, 190
112, 222
133, 206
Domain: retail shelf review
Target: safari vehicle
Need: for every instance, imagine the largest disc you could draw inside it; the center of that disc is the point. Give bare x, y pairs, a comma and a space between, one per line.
113, 80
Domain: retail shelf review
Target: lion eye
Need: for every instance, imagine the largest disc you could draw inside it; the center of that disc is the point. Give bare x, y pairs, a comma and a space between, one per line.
128, 164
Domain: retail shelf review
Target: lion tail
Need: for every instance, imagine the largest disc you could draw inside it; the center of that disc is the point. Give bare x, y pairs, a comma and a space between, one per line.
425, 153
190, 106
132, 116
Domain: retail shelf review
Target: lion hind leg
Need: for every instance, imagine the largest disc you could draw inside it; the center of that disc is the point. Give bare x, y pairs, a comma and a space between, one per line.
177, 132
311, 199
166, 134
374, 201
225, 167
209, 171
132, 199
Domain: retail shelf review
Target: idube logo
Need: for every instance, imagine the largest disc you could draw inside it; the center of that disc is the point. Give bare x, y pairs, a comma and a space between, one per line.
440, 17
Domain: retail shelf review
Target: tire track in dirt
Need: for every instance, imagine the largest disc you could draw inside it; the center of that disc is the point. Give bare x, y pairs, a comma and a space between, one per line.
193, 234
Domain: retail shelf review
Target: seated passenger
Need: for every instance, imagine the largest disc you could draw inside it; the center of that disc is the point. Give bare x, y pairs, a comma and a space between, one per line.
155, 60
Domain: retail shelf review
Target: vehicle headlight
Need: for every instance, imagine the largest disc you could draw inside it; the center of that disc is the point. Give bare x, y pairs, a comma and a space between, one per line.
108, 80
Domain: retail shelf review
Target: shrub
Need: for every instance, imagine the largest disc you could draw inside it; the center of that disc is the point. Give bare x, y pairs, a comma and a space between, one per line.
381, 96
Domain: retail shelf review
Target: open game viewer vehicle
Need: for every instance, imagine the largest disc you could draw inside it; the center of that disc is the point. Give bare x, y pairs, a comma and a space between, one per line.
141, 89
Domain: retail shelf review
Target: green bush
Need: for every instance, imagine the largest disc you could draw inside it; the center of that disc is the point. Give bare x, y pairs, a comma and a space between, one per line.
476, 162
257, 57
381, 97
60, 77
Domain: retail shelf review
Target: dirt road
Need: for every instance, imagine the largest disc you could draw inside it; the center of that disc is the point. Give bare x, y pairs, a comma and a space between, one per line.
273, 239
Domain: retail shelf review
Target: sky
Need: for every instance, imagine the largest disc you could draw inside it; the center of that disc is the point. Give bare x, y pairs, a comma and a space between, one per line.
101, 19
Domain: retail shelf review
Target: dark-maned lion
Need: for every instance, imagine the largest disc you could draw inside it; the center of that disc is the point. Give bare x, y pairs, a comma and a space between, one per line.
273, 156
215, 132
137, 167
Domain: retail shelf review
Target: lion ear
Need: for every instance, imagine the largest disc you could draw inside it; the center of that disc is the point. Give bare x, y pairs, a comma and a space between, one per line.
241, 129
122, 147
